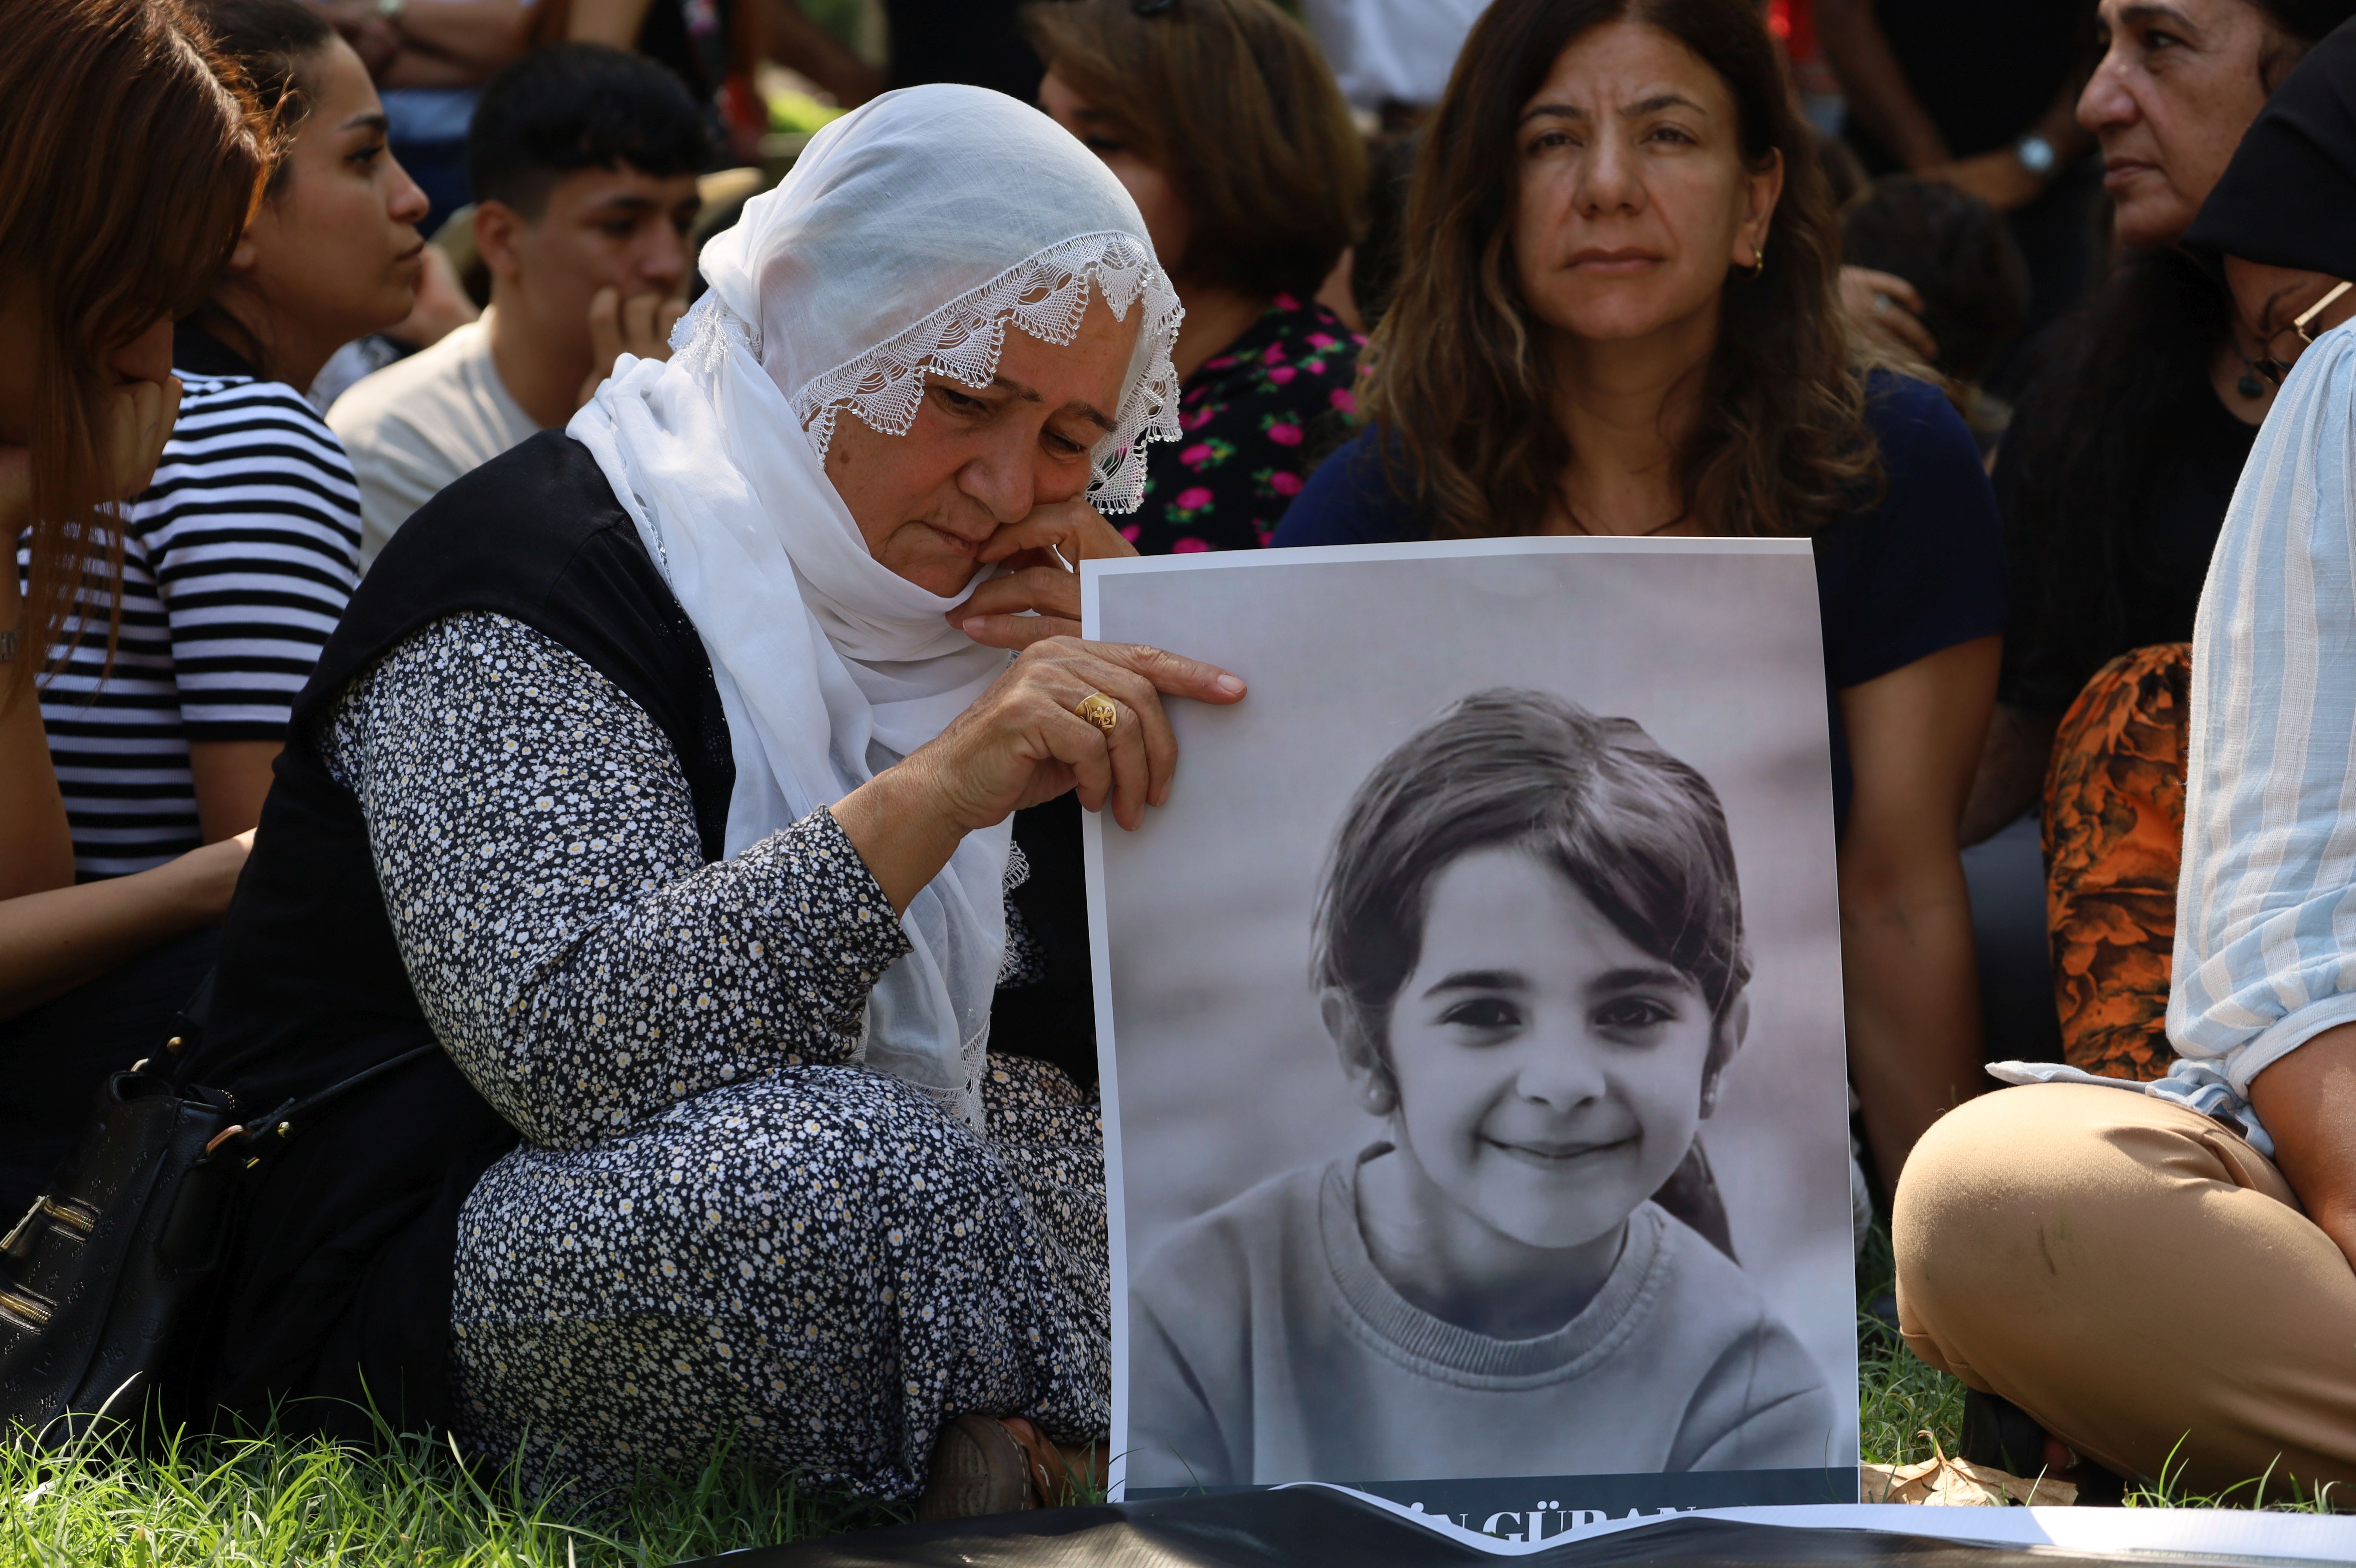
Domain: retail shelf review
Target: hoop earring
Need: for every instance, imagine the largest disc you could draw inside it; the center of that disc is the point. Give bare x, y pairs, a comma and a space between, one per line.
1757, 261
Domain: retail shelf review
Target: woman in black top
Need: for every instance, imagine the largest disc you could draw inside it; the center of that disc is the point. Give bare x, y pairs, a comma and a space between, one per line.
2126, 446
657, 776
1623, 324
2114, 477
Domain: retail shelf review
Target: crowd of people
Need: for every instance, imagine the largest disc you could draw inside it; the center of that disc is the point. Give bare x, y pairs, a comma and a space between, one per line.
653, 678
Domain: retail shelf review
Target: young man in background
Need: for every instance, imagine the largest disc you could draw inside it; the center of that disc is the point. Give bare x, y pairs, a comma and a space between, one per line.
582, 160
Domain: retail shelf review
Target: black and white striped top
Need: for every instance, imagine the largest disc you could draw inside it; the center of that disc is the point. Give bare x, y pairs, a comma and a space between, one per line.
237, 564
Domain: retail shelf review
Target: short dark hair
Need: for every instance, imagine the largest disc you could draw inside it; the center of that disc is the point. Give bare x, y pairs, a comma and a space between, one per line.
1638, 832
578, 106
1231, 100
1959, 254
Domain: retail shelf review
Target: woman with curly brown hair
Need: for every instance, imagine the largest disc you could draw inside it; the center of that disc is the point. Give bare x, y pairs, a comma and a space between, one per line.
1625, 323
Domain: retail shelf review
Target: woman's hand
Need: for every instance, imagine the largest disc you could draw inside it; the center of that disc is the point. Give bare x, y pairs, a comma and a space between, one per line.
1885, 307
1042, 553
1024, 741
136, 423
139, 418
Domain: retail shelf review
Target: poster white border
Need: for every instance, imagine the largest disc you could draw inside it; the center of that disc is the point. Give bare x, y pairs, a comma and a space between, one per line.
1092, 574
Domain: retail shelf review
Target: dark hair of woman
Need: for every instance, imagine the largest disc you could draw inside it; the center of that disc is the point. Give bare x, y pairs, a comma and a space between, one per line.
272, 48
267, 46
2117, 382
131, 170
1638, 832
1457, 377
1187, 85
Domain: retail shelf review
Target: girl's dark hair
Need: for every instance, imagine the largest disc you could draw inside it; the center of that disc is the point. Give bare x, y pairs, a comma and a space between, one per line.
1638, 832
272, 47
1457, 378
2121, 380
1233, 100
127, 171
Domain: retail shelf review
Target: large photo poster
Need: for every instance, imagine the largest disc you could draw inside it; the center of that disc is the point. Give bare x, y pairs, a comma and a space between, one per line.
1471, 1023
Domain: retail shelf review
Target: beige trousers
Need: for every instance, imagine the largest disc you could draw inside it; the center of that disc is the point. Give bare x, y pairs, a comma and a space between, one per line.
2137, 1278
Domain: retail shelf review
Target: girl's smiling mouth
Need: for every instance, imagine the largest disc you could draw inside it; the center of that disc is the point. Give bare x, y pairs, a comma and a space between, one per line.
1548, 1155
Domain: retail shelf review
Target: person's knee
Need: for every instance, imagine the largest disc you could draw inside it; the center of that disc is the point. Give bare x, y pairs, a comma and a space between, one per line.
1980, 1196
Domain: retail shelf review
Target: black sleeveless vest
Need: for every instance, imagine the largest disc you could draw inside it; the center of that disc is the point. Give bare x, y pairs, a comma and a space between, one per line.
336, 1290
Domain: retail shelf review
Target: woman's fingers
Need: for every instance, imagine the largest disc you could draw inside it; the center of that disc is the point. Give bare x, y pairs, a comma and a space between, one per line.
1173, 674
1142, 717
139, 423
994, 614
1073, 529
1881, 282
1141, 748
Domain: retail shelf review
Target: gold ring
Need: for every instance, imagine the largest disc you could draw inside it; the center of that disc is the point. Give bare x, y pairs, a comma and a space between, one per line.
1099, 710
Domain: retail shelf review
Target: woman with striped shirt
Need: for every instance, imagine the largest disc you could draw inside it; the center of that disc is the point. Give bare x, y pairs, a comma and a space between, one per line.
238, 561
167, 671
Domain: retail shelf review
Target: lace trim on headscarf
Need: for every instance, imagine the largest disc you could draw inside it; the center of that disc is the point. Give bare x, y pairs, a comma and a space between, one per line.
1047, 295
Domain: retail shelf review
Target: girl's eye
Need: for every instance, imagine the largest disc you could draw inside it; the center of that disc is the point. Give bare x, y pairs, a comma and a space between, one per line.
1627, 1013
1486, 1014
365, 156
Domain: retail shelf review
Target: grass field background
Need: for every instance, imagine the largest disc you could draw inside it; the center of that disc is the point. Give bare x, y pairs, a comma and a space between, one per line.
264, 1501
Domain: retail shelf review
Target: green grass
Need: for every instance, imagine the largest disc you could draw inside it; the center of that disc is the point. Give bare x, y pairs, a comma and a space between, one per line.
267, 1499
230, 1502
1899, 1398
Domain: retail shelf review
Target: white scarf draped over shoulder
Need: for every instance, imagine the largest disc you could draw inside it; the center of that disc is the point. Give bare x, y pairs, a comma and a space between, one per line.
907, 239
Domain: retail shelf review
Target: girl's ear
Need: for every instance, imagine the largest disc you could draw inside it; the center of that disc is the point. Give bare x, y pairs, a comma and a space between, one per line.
241, 259
1726, 1040
1362, 1060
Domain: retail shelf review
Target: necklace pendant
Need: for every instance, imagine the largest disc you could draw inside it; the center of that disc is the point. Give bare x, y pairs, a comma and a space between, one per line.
2249, 385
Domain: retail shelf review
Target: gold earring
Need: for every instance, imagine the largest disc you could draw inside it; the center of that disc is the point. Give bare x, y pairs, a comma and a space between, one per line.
1758, 256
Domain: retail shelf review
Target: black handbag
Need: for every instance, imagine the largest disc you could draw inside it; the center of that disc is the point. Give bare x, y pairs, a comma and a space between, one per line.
96, 1276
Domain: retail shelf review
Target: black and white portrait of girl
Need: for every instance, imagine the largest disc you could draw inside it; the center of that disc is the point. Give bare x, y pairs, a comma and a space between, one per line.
1474, 1053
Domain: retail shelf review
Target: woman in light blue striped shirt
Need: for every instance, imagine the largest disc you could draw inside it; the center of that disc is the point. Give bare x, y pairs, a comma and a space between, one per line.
2165, 1278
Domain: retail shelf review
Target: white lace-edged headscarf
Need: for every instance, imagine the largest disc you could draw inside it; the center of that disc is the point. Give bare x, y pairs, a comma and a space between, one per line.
907, 237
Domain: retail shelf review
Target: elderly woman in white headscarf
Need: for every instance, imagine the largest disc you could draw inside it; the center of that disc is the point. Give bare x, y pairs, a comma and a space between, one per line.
649, 825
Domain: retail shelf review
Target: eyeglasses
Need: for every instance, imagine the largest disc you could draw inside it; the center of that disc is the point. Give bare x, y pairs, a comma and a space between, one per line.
2275, 369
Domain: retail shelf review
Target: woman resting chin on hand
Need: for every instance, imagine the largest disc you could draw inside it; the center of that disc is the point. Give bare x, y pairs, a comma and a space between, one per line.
90, 976
656, 776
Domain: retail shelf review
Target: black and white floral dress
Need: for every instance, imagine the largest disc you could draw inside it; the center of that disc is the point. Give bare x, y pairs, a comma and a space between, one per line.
718, 1221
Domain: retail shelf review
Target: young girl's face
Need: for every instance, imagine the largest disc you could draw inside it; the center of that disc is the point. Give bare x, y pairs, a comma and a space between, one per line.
1549, 1071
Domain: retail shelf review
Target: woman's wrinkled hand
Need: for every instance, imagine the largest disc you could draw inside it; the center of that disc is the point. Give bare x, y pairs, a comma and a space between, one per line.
1039, 597
1025, 742
1022, 743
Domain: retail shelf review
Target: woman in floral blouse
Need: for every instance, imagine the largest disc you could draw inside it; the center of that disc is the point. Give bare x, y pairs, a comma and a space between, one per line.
1224, 121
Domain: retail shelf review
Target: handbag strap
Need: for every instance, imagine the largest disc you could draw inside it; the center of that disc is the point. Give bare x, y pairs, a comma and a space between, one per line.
282, 1120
